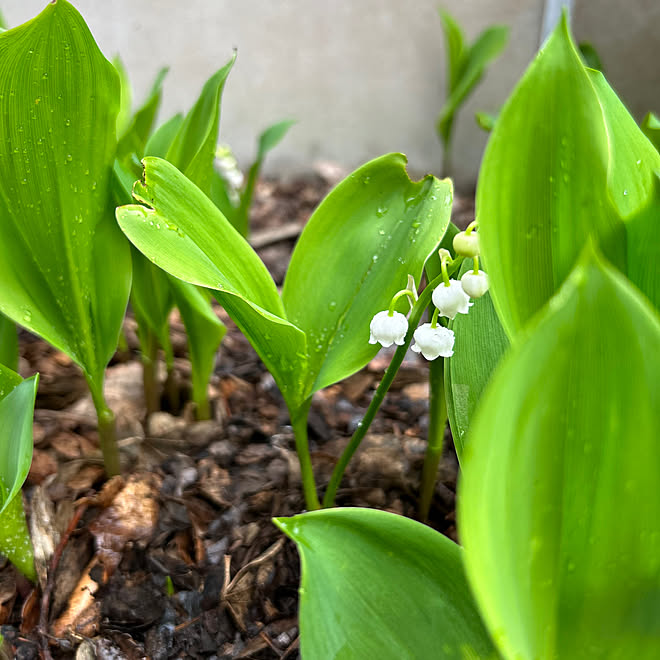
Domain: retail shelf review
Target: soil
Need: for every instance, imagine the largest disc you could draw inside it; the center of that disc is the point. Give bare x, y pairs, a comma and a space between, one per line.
179, 558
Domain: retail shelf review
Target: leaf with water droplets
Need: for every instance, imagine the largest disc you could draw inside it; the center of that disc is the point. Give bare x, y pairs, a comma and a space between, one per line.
356, 256
64, 265
561, 154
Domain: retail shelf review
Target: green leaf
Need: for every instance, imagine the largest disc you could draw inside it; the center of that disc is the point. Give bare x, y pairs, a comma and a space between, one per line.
161, 140
126, 96
480, 344
64, 265
205, 332
487, 47
543, 185
355, 253
8, 343
376, 585
193, 148
558, 506
134, 140
268, 140
16, 409
185, 234
456, 49
634, 190
651, 128
152, 301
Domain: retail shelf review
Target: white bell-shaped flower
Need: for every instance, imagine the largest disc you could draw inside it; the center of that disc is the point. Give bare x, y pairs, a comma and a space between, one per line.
388, 330
475, 284
451, 300
433, 342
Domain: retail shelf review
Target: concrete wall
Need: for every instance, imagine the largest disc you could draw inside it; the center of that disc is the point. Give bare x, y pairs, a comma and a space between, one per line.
362, 77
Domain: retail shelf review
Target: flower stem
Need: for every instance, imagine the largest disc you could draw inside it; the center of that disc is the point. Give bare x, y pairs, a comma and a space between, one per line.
299, 424
379, 395
437, 423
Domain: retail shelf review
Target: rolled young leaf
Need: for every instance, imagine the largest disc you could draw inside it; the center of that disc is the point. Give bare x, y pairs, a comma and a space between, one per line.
193, 148
558, 506
64, 265
377, 585
134, 139
268, 140
16, 410
488, 45
355, 253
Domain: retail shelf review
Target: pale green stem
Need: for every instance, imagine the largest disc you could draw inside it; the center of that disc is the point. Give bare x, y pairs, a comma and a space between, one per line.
149, 375
397, 295
202, 405
107, 431
475, 270
379, 395
299, 424
471, 227
437, 423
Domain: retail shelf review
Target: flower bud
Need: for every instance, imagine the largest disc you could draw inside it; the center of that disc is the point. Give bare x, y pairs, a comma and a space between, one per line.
466, 245
475, 284
388, 330
451, 300
433, 342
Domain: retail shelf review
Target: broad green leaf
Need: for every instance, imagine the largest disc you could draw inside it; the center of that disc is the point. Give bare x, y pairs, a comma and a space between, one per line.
558, 504
632, 180
8, 343
480, 344
184, 233
651, 128
161, 139
16, 409
193, 148
487, 47
126, 96
138, 130
64, 265
485, 120
205, 332
543, 184
355, 253
377, 585
268, 140
633, 163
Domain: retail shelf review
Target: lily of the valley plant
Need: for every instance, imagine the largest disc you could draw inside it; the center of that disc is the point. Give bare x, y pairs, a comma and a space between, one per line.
553, 397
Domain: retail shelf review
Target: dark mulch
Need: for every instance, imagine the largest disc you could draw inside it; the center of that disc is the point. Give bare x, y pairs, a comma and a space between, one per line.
181, 560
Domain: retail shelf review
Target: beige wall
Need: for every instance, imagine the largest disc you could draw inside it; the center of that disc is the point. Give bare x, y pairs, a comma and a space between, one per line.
362, 77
